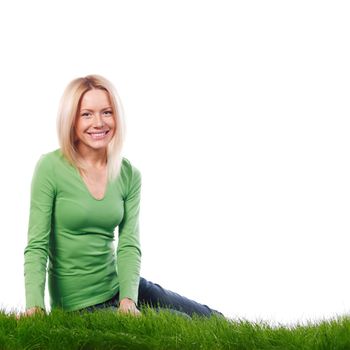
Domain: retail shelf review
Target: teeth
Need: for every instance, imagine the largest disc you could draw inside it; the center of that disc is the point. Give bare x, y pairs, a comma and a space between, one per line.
100, 134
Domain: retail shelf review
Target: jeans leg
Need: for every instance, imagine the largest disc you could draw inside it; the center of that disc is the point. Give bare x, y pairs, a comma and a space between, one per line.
156, 296
106, 305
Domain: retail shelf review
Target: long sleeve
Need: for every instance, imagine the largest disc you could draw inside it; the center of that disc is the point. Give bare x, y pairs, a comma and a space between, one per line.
128, 250
36, 252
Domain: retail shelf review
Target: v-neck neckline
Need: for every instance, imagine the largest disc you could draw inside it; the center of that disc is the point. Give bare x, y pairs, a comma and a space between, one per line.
87, 188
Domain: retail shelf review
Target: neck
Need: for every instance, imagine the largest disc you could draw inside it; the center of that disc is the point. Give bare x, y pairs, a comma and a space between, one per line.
91, 157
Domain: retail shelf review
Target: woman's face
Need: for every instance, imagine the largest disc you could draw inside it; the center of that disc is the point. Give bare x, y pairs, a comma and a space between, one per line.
95, 123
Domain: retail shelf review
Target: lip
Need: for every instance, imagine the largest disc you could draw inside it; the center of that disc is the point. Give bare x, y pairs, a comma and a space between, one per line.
98, 132
94, 137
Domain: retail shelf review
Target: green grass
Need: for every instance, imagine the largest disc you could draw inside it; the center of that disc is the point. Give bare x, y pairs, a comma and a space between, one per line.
164, 330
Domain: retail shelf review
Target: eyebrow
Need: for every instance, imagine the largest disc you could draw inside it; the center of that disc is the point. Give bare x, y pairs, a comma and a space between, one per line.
91, 110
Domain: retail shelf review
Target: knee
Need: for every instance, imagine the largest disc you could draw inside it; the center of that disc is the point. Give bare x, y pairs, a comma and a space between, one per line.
142, 280
143, 283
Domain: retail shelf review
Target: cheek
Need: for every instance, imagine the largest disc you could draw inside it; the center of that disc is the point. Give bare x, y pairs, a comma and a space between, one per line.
78, 132
112, 123
80, 127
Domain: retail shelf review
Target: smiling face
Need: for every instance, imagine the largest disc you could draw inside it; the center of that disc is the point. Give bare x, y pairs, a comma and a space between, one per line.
95, 123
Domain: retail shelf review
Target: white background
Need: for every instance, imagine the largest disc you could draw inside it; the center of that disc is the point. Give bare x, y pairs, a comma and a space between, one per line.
238, 119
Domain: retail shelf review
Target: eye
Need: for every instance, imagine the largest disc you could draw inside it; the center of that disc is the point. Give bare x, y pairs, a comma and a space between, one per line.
107, 112
85, 114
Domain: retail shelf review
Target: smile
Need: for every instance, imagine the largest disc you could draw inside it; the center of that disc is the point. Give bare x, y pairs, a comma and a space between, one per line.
99, 135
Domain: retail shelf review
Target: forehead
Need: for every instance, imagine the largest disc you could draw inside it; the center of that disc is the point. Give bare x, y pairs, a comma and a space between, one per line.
95, 98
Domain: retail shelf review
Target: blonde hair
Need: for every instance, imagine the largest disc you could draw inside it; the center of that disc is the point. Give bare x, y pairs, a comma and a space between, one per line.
67, 114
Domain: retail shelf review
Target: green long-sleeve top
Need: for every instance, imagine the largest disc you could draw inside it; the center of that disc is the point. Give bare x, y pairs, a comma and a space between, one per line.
74, 232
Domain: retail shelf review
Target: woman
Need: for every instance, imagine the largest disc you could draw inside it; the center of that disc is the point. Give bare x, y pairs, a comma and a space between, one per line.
80, 193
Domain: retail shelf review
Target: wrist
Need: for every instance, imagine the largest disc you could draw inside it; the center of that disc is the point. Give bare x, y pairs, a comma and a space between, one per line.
126, 299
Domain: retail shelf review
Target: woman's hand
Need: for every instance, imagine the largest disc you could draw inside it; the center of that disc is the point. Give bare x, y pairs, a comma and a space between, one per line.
127, 305
31, 311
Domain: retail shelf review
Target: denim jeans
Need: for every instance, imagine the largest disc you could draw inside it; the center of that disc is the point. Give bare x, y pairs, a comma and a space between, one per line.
157, 297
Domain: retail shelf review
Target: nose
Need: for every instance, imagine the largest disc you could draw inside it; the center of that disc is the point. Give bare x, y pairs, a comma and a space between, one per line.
97, 121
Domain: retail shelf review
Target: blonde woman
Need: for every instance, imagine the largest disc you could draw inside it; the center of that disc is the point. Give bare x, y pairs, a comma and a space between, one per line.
80, 193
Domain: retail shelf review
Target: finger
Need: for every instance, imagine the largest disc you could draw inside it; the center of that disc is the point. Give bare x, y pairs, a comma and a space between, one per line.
128, 311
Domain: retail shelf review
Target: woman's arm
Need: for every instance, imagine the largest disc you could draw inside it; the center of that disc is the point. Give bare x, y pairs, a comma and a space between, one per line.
43, 192
128, 250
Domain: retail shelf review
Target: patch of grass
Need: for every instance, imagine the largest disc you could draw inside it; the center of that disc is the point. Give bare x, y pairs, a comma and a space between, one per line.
163, 330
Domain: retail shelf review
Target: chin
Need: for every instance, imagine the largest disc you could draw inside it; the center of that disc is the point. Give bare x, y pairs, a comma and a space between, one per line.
95, 145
